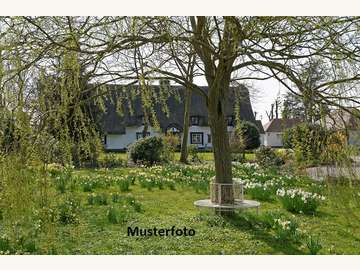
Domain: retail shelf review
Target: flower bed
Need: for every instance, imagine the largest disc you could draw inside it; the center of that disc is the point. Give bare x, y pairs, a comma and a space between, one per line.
299, 201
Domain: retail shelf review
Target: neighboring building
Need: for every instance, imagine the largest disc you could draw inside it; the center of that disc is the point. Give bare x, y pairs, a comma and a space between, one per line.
345, 121
122, 131
274, 130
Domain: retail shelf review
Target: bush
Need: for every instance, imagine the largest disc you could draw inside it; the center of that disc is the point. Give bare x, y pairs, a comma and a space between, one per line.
245, 137
299, 201
251, 135
308, 141
147, 151
265, 156
335, 150
171, 143
111, 160
193, 153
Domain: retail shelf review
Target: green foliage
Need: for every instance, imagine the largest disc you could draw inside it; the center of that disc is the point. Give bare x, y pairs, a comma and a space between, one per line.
239, 157
265, 156
64, 179
259, 192
69, 211
250, 134
98, 199
147, 151
171, 144
299, 201
308, 142
124, 185
314, 245
116, 216
286, 229
194, 153
111, 160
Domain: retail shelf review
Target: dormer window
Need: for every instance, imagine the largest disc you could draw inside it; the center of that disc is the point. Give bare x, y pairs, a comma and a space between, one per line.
230, 120
194, 120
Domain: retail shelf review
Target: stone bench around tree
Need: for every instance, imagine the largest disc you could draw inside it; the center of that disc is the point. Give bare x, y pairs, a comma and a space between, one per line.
220, 191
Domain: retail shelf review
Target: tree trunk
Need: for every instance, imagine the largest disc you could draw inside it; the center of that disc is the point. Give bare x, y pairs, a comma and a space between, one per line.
220, 142
187, 106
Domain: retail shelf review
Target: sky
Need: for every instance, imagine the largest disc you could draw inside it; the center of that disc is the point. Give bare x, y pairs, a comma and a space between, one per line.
266, 93
262, 94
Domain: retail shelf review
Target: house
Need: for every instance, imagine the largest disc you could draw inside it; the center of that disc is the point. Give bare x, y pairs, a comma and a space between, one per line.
345, 121
274, 130
120, 131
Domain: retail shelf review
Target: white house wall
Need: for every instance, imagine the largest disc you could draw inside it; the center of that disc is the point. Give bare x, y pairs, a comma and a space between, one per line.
121, 141
273, 139
205, 130
262, 139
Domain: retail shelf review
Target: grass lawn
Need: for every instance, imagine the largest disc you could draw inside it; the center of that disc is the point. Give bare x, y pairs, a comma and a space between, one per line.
163, 197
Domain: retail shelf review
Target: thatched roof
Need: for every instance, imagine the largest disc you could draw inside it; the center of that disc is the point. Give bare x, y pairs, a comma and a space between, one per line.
113, 123
278, 125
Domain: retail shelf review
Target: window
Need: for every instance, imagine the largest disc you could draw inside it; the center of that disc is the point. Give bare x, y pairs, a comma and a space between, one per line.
209, 138
278, 135
139, 135
230, 120
194, 120
196, 137
105, 140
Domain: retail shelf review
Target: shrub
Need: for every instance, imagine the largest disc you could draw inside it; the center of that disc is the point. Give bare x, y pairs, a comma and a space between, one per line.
336, 149
250, 134
314, 245
193, 153
68, 211
147, 151
307, 140
111, 160
171, 143
265, 156
299, 201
